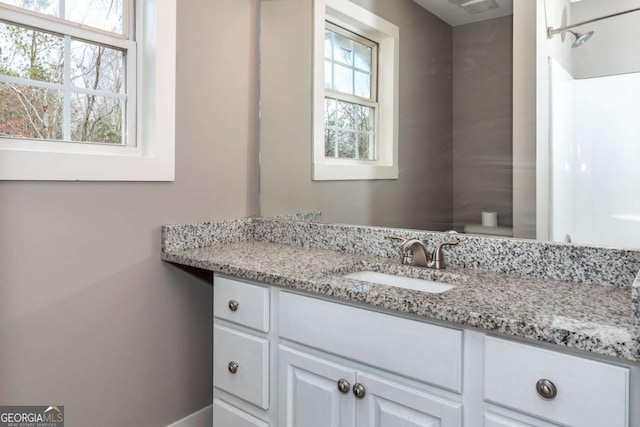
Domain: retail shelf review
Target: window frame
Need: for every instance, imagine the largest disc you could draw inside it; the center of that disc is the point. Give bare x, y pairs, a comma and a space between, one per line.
387, 35
149, 150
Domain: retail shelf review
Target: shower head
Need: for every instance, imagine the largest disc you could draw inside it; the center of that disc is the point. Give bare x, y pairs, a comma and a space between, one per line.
580, 37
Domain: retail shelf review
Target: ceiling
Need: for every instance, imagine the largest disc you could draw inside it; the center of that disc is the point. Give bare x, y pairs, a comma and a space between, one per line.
455, 15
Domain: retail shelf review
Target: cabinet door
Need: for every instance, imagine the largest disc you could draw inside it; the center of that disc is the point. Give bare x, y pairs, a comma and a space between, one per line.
387, 404
309, 394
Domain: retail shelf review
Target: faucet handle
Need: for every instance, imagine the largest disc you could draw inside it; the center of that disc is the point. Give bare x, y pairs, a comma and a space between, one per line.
438, 254
407, 254
403, 242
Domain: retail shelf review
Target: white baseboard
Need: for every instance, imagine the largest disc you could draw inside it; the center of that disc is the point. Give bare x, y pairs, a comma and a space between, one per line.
200, 418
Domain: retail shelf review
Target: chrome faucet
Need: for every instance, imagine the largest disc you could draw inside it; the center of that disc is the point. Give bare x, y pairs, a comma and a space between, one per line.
415, 252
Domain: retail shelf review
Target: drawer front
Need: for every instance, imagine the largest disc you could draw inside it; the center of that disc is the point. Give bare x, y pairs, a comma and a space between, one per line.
251, 354
416, 350
241, 303
589, 393
225, 415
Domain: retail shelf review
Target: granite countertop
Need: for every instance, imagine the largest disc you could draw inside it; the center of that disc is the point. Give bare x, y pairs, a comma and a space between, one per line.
587, 317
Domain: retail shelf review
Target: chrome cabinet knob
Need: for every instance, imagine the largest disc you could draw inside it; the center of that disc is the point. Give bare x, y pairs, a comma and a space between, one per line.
546, 389
233, 367
233, 305
343, 385
359, 390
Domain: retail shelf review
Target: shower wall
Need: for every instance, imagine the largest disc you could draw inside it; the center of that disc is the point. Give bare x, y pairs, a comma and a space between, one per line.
595, 157
613, 49
594, 92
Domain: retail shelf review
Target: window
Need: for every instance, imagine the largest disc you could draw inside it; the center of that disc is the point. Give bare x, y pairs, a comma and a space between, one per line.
62, 81
355, 93
78, 97
350, 69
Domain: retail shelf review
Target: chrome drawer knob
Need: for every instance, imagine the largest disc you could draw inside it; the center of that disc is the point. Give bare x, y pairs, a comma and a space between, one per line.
546, 389
233, 367
359, 390
233, 305
343, 385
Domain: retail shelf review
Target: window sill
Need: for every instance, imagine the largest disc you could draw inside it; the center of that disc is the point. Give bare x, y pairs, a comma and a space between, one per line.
326, 172
51, 166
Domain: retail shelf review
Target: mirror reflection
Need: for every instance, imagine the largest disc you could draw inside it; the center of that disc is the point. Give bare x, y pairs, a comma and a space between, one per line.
504, 127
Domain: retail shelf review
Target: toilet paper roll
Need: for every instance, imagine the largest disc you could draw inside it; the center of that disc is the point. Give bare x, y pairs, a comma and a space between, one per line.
490, 219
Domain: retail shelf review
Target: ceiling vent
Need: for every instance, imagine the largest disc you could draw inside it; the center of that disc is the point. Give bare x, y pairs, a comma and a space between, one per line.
475, 6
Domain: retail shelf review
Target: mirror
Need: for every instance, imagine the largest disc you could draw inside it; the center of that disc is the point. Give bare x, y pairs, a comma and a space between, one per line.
495, 116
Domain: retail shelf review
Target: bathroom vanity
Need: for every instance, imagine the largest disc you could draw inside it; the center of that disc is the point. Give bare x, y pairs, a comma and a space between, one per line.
296, 343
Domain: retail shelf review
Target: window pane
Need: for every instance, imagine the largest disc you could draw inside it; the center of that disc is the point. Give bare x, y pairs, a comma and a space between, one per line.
349, 130
96, 119
346, 145
343, 49
328, 43
330, 111
30, 112
348, 64
343, 79
346, 115
365, 119
363, 57
329, 143
106, 15
365, 146
328, 75
48, 7
363, 84
97, 67
30, 54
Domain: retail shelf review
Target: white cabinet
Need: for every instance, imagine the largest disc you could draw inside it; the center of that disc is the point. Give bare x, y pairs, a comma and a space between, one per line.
309, 393
241, 303
298, 358
427, 353
241, 365
315, 392
241, 354
564, 389
388, 404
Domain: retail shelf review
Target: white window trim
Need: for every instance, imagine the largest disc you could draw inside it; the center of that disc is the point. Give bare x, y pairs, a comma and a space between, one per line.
153, 158
360, 21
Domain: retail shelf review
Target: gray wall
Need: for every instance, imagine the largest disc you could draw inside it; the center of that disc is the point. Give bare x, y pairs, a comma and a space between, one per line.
90, 318
421, 197
482, 120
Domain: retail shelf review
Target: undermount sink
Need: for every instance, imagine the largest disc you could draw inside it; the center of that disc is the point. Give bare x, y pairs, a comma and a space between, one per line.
400, 281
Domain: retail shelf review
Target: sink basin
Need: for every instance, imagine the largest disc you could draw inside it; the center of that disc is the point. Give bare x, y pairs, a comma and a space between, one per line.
400, 281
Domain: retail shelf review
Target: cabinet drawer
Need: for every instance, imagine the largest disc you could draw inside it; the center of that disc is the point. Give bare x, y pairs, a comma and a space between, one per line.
251, 354
225, 415
251, 303
589, 393
417, 350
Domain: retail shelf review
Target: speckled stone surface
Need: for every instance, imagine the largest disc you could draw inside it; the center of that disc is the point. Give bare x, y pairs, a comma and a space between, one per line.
587, 317
582, 264
188, 236
314, 216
